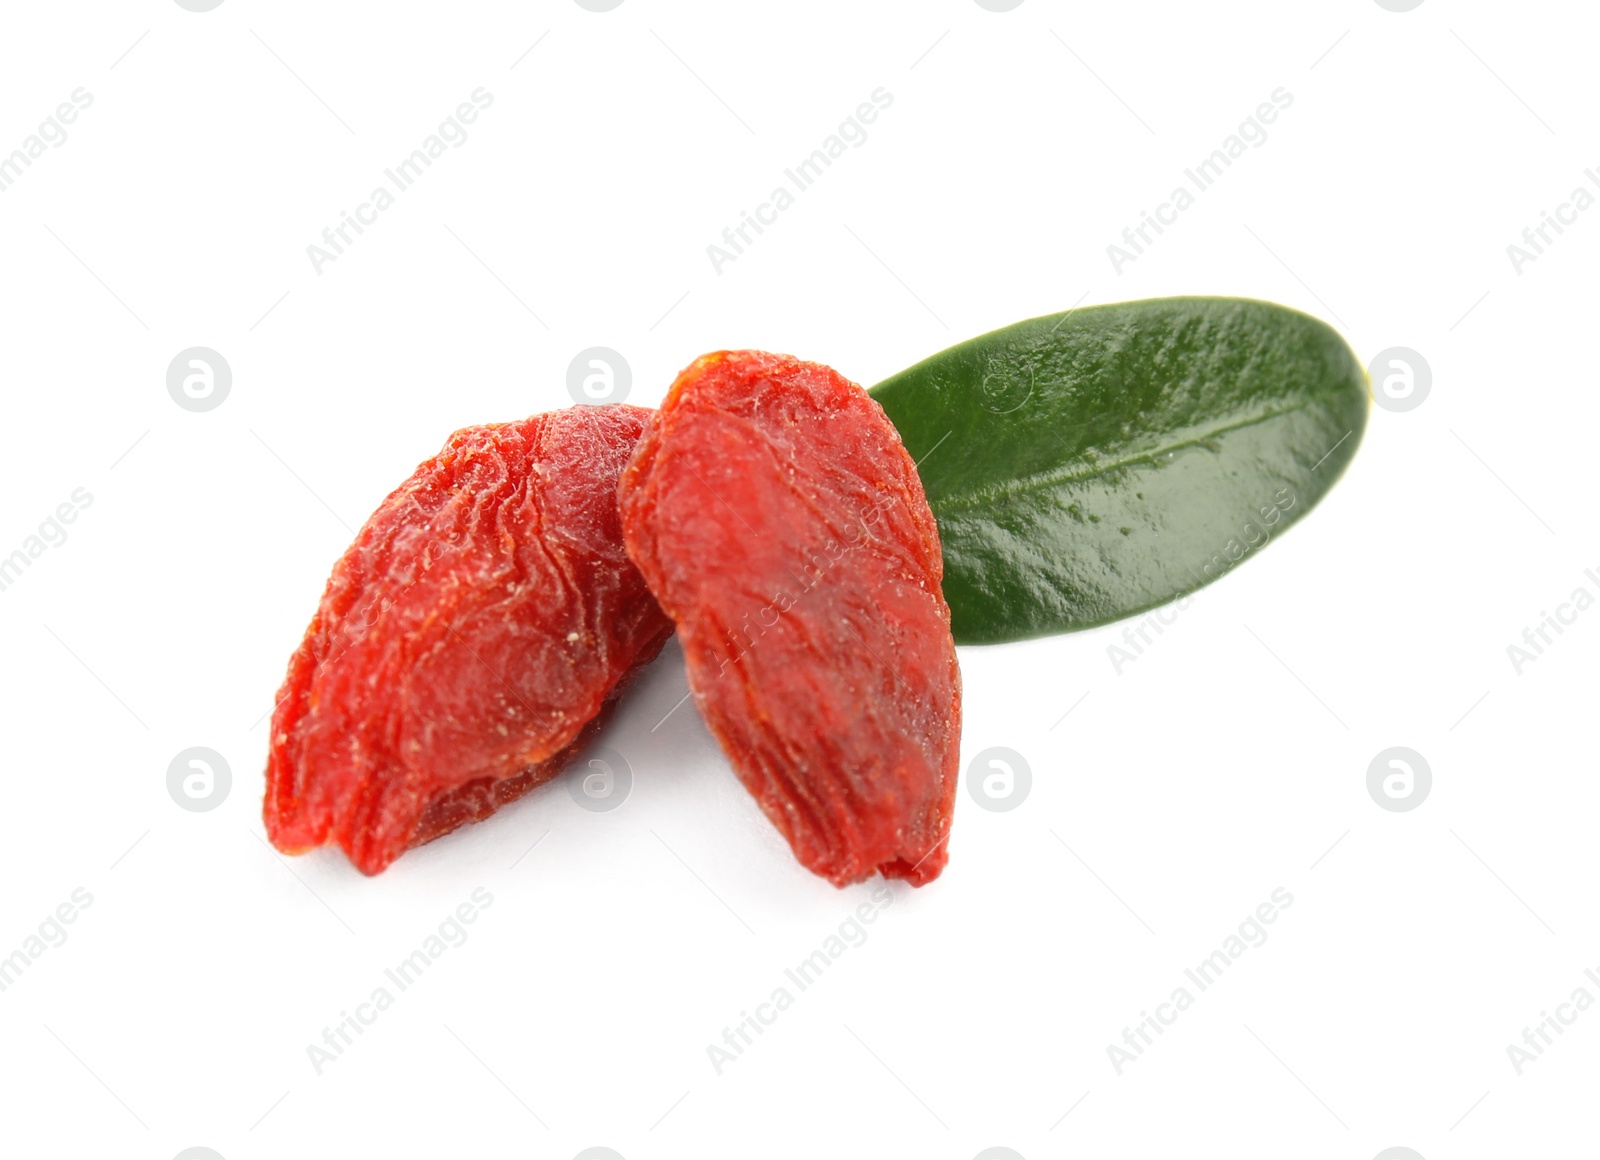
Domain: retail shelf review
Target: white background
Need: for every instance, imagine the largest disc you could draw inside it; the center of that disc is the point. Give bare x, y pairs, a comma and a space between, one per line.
1228, 761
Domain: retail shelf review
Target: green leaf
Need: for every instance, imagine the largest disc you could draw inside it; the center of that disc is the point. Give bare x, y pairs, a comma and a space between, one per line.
1090, 465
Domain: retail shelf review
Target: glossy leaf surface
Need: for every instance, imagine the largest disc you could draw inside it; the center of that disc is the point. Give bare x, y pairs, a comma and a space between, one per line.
1090, 465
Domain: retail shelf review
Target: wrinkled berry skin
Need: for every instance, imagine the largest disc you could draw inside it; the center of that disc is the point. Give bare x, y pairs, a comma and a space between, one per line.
781, 524
467, 642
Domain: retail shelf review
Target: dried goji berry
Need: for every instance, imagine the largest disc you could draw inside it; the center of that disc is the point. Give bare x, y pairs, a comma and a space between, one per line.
485, 615
782, 525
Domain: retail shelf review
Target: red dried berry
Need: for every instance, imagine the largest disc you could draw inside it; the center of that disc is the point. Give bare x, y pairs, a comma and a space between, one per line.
467, 641
782, 525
